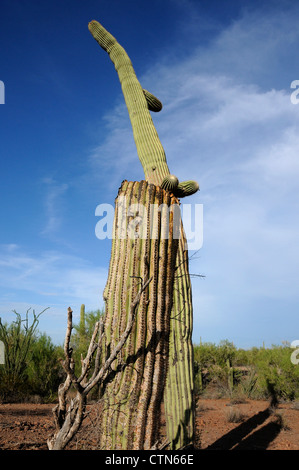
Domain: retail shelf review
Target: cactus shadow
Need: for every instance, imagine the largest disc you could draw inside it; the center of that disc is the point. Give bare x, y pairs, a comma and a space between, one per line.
244, 437
143, 351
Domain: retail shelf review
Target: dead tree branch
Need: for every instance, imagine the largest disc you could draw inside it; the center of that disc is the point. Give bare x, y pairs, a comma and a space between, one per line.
69, 419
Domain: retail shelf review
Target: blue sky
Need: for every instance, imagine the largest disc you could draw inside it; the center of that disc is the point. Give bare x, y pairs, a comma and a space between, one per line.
223, 71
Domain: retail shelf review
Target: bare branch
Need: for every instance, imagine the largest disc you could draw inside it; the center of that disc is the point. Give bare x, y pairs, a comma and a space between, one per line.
122, 340
69, 421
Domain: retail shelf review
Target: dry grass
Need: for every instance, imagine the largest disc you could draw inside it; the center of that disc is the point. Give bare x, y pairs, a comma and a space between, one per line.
234, 415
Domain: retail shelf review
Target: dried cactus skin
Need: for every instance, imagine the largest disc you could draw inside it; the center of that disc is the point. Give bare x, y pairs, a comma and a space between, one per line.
149, 147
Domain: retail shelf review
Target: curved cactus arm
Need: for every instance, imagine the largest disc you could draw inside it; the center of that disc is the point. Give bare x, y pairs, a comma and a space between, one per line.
186, 188
183, 189
139, 102
153, 103
149, 147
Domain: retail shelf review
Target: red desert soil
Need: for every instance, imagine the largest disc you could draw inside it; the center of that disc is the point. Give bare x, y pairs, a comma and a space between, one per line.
27, 426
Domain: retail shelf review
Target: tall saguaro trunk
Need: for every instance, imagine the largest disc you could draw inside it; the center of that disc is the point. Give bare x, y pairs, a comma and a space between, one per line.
157, 361
143, 247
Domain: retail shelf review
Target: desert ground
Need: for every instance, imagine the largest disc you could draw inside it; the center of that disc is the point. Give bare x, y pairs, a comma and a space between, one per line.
220, 425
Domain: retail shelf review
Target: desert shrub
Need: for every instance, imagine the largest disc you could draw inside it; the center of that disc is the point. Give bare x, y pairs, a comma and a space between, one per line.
31, 360
83, 333
17, 338
234, 415
259, 373
214, 364
44, 371
276, 373
225, 352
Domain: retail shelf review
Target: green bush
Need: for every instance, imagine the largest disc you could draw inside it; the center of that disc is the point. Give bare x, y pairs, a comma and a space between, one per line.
31, 360
276, 373
83, 332
32, 364
44, 371
257, 373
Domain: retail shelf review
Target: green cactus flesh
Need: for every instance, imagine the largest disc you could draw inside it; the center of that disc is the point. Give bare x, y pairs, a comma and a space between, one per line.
179, 402
149, 147
183, 189
170, 183
153, 103
82, 326
186, 188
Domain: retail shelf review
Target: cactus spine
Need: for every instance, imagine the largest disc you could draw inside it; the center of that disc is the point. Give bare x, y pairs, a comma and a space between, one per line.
161, 341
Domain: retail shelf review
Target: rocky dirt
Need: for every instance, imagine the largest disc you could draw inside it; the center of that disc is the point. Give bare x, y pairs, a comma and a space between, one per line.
221, 425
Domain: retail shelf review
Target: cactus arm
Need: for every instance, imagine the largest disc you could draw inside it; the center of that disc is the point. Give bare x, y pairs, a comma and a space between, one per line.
138, 101
170, 183
186, 188
153, 103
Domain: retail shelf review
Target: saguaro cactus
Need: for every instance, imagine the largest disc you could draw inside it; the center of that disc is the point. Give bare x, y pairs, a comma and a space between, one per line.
82, 331
134, 389
157, 360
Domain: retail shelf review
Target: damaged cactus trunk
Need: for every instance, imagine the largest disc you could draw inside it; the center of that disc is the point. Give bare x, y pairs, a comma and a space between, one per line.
144, 246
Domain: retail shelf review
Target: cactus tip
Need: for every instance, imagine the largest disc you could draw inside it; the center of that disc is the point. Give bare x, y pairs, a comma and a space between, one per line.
170, 183
186, 188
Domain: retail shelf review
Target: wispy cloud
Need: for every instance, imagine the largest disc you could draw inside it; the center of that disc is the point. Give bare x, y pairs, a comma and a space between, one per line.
54, 193
48, 279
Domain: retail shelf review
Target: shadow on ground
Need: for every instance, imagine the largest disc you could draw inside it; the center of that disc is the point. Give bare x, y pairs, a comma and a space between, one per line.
243, 437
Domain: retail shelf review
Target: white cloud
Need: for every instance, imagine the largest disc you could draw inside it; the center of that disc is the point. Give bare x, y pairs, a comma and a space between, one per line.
115, 158
48, 279
54, 193
239, 140
259, 47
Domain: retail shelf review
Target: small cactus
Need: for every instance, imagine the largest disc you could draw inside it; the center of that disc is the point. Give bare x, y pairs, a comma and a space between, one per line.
82, 326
